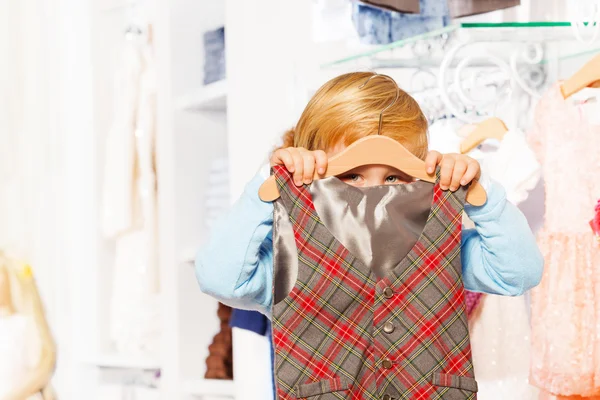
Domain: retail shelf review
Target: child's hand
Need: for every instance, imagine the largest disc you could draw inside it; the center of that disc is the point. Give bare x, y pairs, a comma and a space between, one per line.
301, 163
456, 169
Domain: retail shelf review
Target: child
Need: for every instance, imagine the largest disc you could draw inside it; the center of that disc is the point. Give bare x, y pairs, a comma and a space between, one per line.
499, 256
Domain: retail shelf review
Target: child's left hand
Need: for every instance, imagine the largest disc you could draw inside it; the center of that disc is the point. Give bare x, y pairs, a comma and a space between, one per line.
456, 169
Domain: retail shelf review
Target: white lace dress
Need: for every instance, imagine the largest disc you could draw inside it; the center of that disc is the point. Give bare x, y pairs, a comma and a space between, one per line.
500, 330
129, 206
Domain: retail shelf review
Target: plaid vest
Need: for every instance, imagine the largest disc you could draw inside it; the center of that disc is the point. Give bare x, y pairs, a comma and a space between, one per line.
342, 333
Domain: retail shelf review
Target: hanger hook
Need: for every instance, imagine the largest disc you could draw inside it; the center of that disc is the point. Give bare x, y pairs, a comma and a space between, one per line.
389, 105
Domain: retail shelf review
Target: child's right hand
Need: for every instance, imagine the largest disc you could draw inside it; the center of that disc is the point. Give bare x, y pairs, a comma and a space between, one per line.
301, 162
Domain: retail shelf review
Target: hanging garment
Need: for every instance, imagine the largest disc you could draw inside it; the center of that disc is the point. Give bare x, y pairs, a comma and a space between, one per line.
566, 305
117, 215
130, 206
595, 222
472, 300
381, 315
20, 350
377, 26
463, 8
511, 162
500, 331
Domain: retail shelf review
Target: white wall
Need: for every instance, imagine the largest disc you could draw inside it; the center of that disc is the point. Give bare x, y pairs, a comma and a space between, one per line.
271, 40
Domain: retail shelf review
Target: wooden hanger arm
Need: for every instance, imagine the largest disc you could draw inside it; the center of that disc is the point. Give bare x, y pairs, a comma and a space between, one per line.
585, 77
476, 195
375, 150
492, 128
268, 192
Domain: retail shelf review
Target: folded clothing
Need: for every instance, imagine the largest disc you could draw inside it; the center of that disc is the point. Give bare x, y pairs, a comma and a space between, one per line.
377, 26
214, 55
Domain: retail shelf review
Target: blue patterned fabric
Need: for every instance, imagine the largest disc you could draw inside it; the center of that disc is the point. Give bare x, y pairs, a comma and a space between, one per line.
434, 8
373, 25
379, 26
406, 25
214, 55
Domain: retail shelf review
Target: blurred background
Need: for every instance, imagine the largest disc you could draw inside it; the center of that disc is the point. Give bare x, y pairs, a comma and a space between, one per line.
128, 126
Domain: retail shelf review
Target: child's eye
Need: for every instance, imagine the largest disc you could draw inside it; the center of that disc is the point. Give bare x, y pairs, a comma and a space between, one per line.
352, 179
391, 179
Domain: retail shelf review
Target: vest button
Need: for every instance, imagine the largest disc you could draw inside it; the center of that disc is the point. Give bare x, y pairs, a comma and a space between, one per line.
388, 327
387, 397
387, 363
388, 292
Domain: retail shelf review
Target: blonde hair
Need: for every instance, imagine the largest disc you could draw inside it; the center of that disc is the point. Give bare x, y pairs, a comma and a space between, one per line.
343, 112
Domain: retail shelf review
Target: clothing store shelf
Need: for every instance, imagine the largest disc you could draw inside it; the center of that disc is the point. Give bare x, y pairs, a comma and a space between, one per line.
423, 47
212, 97
209, 387
123, 361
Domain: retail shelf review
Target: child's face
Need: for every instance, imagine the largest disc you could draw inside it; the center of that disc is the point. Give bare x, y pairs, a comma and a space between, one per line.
371, 175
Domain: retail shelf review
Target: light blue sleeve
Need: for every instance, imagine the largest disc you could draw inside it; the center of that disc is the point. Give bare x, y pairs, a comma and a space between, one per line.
500, 255
236, 265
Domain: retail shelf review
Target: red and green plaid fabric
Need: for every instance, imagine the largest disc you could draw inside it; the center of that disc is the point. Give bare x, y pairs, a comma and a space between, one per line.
343, 334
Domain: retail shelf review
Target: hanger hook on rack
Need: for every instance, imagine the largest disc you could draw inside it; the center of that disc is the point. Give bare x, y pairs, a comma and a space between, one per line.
389, 105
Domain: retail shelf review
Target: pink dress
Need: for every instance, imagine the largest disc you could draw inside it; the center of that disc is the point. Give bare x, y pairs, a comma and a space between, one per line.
566, 305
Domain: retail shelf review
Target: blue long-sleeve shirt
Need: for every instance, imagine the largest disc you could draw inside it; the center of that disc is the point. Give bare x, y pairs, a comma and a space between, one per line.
499, 256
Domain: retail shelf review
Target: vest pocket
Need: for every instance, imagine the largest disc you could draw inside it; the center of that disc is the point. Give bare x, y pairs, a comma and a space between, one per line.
319, 388
454, 381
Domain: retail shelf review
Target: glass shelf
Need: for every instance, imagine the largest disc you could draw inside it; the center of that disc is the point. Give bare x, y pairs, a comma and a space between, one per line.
388, 56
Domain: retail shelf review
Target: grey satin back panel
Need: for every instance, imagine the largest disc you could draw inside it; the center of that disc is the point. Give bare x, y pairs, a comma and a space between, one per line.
379, 225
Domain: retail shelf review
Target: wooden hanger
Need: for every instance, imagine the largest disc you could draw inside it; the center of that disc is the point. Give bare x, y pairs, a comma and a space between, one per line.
376, 149
587, 76
492, 128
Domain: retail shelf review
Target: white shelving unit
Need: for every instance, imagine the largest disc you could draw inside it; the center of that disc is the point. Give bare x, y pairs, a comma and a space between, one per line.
120, 361
97, 371
239, 118
193, 133
212, 97
209, 387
